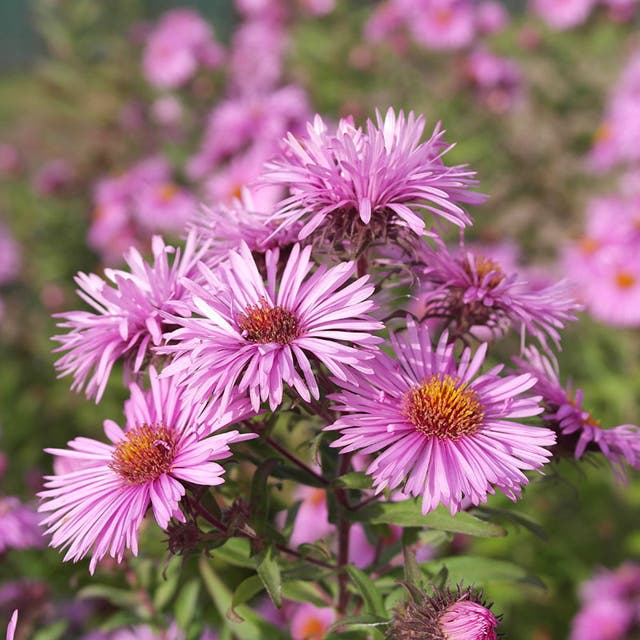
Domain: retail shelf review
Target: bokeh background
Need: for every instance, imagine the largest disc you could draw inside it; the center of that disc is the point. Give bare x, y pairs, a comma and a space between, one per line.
77, 108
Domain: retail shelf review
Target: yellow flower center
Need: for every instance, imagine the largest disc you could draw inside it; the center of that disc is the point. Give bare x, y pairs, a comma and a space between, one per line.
483, 267
442, 408
263, 323
167, 192
145, 454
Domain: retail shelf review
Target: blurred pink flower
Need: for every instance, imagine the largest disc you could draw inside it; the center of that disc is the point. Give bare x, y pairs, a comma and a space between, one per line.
309, 622
441, 24
10, 163
491, 17
167, 111
563, 14
312, 519
53, 178
10, 256
181, 42
19, 526
497, 81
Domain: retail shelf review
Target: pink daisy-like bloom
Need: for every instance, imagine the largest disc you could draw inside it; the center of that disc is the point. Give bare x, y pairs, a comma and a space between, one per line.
128, 320
577, 430
472, 291
563, 14
447, 615
19, 526
99, 506
224, 227
444, 431
309, 622
442, 24
256, 337
373, 178
603, 620
312, 519
181, 41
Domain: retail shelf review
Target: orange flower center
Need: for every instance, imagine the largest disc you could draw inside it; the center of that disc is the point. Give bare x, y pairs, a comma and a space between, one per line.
313, 629
167, 192
603, 133
145, 454
625, 280
263, 323
587, 245
484, 267
442, 408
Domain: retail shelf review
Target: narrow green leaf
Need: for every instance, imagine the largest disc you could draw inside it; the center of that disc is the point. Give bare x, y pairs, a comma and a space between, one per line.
517, 518
246, 590
269, 571
480, 571
367, 589
55, 631
354, 480
236, 551
408, 514
259, 502
118, 597
365, 620
301, 591
187, 603
252, 626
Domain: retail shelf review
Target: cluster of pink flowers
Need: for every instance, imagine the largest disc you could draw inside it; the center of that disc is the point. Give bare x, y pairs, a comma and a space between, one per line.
130, 207
437, 24
610, 605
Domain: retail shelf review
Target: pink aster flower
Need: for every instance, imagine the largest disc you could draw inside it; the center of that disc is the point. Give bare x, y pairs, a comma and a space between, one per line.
491, 17
10, 256
577, 430
442, 24
563, 14
181, 42
99, 507
312, 519
224, 227
602, 620
442, 429
19, 528
357, 180
13, 623
127, 320
258, 337
309, 622
447, 615
165, 207
472, 291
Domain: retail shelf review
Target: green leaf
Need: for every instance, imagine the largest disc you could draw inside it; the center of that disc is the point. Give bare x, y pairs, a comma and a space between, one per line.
259, 502
365, 620
236, 551
55, 631
118, 597
475, 570
367, 589
301, 591
408, 514
246, 590
354, 480
252, 626
187, 603
518, 518
269, 572
168, 585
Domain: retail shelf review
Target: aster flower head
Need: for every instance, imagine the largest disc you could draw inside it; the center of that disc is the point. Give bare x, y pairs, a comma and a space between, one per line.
99, 506
441, 429
369, 183
224, 227
446, 615
472, 291
257, 337
577, 430
127, 320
